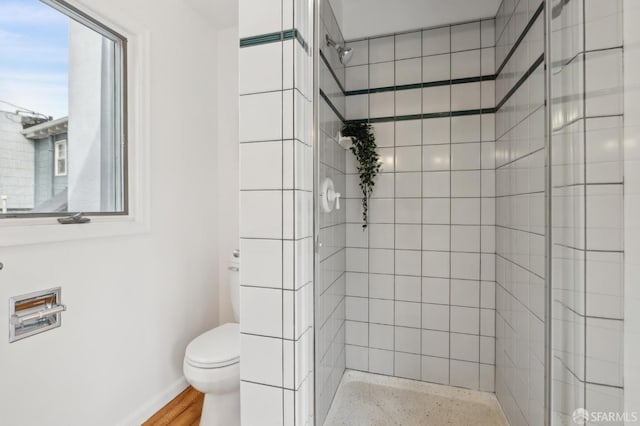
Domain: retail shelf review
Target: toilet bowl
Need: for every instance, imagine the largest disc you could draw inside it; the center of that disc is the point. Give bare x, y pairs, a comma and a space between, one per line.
212, 364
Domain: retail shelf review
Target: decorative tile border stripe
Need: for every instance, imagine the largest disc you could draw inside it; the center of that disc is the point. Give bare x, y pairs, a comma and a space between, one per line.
520, 82
461, 113
261, 39
425, 116
333, 108
421, 85
275, 37
522, 36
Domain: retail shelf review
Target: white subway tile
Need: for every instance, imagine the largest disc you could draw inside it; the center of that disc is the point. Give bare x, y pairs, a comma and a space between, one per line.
381, 49
408, 71
381, 104
261, 263
436, 211
465, 320
408, 45
436, 68
407, 237
435, 237
261, 359
260, 68
357, 309
435, 290
261, 404
408, 133
357, 358
435, 370
408, 102
465, 64
408, 185
381, 362
261, 311
435, 317
465, 96
435, 343
488, 32
408, 210
381, 336
261, 165
407, 365
465, 36
436, 99
258, 17
435, 41
465, 347
357, 78
605, 351
407, 340
261, 214
381, 286
436, 130
381, 74
261, 117
465, 293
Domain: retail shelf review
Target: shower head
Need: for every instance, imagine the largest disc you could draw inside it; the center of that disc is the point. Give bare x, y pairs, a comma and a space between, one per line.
343, 52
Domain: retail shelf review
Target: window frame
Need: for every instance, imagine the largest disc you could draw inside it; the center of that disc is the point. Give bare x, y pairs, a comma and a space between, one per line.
31, 230
57, 158
121, 121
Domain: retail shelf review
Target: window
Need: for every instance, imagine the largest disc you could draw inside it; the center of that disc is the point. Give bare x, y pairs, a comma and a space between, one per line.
60, 158
62, 112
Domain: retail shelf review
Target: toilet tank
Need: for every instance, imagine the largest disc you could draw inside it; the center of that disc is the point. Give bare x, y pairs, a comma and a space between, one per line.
234, 283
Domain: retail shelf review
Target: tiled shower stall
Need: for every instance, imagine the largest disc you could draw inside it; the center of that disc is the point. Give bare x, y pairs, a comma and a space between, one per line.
449, 282
420, 277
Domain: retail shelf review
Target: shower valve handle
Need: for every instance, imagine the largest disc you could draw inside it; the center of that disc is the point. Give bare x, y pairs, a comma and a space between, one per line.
334, 196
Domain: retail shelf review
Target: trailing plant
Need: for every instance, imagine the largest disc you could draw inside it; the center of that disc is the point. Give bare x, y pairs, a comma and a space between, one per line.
364, 148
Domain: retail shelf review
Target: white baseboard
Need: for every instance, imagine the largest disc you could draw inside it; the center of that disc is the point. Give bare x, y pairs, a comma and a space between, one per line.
155, 404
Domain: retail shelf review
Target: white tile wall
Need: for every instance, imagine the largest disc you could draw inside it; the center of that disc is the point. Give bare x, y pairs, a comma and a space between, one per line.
275, 174
519, 213
414, 276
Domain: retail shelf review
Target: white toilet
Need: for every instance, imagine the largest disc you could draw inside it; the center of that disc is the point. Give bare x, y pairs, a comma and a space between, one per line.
212, 364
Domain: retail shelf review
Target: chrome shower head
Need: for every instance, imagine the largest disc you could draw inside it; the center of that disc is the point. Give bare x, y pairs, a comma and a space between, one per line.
344, 53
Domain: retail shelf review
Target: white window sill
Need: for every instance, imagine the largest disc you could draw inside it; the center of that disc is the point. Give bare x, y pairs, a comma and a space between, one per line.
16, 232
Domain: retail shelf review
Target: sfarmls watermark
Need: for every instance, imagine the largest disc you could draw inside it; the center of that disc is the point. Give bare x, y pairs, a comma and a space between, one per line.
581, 416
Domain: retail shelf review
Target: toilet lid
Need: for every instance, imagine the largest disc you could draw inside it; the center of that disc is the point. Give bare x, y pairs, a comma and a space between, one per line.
215, 348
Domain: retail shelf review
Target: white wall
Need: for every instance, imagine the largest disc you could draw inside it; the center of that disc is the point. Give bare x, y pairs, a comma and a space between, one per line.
134, 302
228, 160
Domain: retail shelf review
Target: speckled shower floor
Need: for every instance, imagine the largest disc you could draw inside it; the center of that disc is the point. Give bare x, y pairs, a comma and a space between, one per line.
365, 399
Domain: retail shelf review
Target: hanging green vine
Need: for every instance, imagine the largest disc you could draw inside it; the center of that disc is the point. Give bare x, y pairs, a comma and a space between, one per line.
364, 148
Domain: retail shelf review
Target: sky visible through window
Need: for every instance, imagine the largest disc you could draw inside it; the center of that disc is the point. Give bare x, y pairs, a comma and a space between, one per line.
34, 57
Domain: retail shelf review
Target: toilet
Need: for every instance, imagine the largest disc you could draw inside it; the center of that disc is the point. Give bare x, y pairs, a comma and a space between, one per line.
212, 364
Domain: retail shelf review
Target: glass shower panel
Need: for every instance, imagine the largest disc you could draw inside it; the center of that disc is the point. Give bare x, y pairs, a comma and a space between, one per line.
568, 210
330, 229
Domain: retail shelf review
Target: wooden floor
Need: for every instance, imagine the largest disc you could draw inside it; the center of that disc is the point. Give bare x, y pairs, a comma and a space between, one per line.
183, 410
